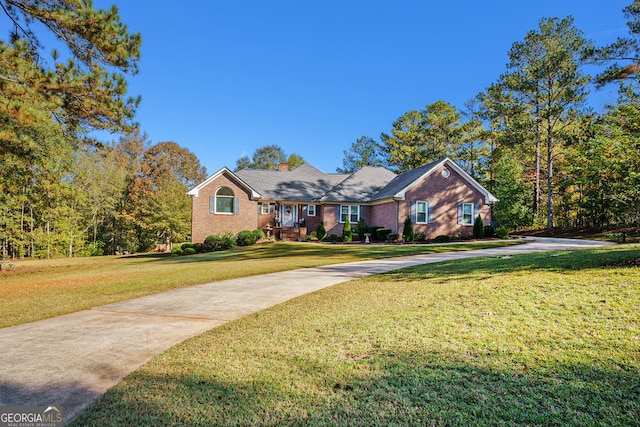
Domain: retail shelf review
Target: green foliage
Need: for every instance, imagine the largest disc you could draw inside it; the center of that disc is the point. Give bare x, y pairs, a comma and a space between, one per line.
407, 230
259, 235
393, 238
246, 238
177, 250
381, 234
511, 210
478, 228
219, 242
268, 158
442, 239
347, 235
502, 232
364, 152
321, 232
361, 228
489, 231
420, 236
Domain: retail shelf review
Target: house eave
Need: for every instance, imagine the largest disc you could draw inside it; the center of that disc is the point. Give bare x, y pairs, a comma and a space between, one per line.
194, 192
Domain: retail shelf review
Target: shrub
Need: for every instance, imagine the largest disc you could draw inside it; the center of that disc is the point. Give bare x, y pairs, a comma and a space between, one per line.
478, 228
187, 246
335, 238
321, 232
489, 231
420, 236
246, 238
442, 239
197, 247
502, 232
176, 251
219, 242
189, 251
361, 228
407, 231
381, 234
347, 235
259, 235
392, 238
312, 237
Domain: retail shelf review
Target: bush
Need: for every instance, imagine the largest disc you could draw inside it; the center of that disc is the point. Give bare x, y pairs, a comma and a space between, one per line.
407, 231
321, 233
189, 251
259, 235
361, 228
246, 238
197, 247
347, 235
335, 238
177, 251
478, 228
442, 239
489, 231
185, 246
420, 236
312, 237
392, 238
502, 232
381, 234
219, 242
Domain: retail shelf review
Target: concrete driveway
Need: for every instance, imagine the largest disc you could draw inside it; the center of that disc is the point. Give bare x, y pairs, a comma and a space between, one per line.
69, 361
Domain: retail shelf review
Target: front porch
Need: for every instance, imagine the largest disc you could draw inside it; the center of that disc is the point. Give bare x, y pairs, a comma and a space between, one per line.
290, 233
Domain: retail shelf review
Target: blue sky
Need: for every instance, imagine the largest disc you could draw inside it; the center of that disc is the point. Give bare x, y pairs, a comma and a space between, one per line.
224, 78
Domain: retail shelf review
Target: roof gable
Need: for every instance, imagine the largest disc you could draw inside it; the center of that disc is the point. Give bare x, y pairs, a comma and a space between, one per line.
226, 172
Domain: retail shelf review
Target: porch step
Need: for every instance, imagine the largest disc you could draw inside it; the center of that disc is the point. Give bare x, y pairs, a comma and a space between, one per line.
291, 233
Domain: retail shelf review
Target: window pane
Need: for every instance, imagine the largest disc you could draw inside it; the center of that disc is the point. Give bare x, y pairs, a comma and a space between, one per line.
467, 211
421, 212
224, 204
344, 213
224, 191
355, 211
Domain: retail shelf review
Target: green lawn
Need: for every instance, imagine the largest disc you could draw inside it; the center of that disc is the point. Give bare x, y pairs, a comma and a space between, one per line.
540, 339
40, 289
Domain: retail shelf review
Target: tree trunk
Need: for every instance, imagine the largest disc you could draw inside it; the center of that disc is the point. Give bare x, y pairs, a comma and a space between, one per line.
549, 177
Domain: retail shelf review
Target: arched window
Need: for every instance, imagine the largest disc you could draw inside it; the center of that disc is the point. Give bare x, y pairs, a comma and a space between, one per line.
224, 200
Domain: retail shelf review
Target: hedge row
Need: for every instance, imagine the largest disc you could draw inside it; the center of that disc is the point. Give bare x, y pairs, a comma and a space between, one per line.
220, 242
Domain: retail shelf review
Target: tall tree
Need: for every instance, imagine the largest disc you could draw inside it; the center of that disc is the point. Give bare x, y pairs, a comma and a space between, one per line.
363, 152
544, 74
420, 137
268, 158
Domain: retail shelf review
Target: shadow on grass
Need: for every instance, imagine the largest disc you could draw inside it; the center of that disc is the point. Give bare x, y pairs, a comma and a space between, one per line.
291, 250
400, 388
563, 261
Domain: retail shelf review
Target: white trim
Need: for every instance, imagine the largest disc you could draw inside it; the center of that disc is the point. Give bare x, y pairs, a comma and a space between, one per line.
194, 192
488, 197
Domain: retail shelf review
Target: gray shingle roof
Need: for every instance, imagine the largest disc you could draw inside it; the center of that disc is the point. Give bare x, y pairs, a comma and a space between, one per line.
362, 186
402, 181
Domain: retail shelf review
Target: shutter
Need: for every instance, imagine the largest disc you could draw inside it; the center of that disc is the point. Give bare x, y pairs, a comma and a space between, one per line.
305, 210
272, 208
430, 213
361, 216
338, 213
414, 212
460, 214
236, 205
476, 211
212, 204
259, 208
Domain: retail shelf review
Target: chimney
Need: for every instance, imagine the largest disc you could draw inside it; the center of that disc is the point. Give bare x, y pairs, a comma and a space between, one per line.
283, 167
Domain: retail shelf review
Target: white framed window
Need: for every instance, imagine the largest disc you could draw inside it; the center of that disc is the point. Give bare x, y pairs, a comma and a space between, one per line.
350, 211
311, 210
264, 208
421, 212
224, 201
465, 213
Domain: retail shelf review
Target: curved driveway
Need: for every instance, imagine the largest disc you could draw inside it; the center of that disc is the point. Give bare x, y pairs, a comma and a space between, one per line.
70, 360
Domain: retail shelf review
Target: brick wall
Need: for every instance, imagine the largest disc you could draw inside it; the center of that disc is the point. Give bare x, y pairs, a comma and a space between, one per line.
204, 223
445, 193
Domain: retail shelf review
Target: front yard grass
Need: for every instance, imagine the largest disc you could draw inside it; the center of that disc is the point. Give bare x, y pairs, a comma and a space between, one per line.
41, 289
537, 339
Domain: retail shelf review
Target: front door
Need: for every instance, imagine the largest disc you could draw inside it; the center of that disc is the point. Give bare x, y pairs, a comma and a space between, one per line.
289, 215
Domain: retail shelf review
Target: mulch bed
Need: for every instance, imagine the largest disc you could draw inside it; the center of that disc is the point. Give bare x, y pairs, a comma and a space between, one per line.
627, 263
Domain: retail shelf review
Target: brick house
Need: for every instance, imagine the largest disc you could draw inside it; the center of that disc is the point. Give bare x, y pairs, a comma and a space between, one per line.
440, 198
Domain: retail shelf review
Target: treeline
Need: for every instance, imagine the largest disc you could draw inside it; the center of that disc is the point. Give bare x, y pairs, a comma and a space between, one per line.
531, 137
